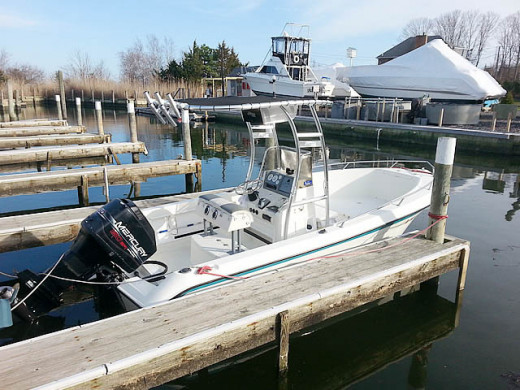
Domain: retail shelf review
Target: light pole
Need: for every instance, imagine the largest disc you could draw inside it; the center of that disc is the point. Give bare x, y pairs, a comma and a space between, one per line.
351, 53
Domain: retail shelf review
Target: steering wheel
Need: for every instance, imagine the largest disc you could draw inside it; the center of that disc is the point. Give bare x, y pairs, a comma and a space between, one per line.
248, 187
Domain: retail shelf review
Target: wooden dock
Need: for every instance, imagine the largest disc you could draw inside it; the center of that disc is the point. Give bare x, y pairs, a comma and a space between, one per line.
151, 346
52, 140
33, 123
30, 183
67, 152
33, 131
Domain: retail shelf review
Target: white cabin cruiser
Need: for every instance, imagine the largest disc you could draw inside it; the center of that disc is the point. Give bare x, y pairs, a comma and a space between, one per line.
294, 210
287, 73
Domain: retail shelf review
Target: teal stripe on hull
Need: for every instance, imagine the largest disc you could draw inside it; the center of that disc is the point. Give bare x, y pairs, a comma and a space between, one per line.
244, 273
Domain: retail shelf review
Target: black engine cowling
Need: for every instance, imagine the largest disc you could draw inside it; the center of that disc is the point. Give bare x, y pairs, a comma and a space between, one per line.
116, 238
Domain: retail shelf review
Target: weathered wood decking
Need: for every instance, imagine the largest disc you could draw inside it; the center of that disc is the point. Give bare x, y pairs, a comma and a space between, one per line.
52, 140
151, 346
30, 183
33, 123
34, 131
67, 152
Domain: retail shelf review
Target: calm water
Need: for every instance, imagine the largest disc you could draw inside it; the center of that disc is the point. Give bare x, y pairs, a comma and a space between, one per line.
412, 342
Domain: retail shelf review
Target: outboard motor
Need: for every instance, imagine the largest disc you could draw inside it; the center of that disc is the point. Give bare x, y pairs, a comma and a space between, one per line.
113, 241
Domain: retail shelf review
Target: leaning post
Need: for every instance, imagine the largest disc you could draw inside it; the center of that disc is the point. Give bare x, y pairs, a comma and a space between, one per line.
440, 198
78, 109
99, 117
133, 127
62, 94
58, 106
444, 157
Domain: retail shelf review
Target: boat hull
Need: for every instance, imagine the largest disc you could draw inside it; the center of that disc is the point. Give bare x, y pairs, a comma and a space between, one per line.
262, 84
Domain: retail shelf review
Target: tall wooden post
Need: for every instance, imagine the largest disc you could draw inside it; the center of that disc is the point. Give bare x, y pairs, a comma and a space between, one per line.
62, 94
444, 157
441, 117
99, 117
186, 136
78, 109
58, 106
17, 100
10, 101
133, 128
283, 339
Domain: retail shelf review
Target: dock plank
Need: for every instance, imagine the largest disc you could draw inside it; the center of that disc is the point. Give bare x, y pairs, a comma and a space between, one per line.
150, 346
36, 182
33, 123
52, 140
67, 152
40, 130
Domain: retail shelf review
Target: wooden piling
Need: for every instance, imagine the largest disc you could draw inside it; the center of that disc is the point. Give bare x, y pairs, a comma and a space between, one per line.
17, 100
441, 117
130, 108
283, 342
509, 120
99, 117
10, 101
186, 136
58, 106
444, 157
494, 121
83, 191
62, 94
78, 109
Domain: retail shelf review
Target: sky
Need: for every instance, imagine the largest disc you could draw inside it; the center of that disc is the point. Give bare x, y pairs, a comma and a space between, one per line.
48, 33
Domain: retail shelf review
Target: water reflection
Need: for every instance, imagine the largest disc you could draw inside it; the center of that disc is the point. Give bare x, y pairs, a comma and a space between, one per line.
345, 350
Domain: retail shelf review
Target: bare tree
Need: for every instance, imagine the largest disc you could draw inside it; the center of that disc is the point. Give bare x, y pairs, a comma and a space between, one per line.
81, 67
486, 26
467, 32
449, 27
4, 59
25, 74
419, 26
143, 62
509, 42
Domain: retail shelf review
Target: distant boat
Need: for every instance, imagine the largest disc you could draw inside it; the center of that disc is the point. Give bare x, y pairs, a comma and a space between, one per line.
287, 73
432, 70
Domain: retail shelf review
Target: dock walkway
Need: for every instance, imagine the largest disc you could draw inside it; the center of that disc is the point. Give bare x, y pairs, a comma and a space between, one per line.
36, 182
43, 154
151, 346
52, 140
33, 131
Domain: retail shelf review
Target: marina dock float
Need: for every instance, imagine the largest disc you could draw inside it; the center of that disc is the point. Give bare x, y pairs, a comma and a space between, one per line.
68, 163
52, 227
33, 123
40, 130
67, 152
154, 345
36, 182
52, 140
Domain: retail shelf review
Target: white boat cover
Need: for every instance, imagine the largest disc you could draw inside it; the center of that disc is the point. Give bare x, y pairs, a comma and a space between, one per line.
433, 69
332, 74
